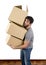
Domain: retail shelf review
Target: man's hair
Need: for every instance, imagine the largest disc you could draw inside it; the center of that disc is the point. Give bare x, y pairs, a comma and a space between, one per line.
30, 19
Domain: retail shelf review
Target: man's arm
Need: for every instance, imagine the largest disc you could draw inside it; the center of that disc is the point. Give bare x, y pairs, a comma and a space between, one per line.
25, 45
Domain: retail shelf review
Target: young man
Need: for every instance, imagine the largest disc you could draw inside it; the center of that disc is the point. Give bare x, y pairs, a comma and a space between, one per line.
27, 46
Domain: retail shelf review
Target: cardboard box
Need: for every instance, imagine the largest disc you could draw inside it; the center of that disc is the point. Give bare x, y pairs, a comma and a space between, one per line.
16, 30
14, 42
17, 15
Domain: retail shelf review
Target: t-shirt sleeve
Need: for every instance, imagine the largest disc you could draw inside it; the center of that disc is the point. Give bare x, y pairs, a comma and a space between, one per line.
28, 36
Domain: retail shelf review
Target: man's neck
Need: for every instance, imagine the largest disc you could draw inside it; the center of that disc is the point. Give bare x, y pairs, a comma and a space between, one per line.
28, 27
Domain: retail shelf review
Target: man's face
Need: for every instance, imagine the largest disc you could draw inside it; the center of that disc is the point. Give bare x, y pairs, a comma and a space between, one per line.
26, 23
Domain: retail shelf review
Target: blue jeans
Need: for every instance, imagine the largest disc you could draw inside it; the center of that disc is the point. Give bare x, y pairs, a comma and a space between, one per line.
25, 56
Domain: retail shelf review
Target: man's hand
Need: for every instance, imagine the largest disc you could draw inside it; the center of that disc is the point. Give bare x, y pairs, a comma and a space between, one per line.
17, 47
13, 47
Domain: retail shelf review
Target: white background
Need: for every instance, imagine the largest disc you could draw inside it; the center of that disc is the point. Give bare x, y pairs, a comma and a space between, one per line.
37, 9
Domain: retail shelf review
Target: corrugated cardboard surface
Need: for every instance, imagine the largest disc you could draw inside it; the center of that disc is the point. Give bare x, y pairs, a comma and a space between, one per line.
16, 30
17, 15
14, 42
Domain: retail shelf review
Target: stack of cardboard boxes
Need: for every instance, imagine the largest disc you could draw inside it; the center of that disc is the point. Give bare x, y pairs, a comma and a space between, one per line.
16, 29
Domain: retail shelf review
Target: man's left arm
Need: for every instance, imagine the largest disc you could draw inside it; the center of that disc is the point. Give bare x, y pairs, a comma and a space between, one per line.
25, 45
